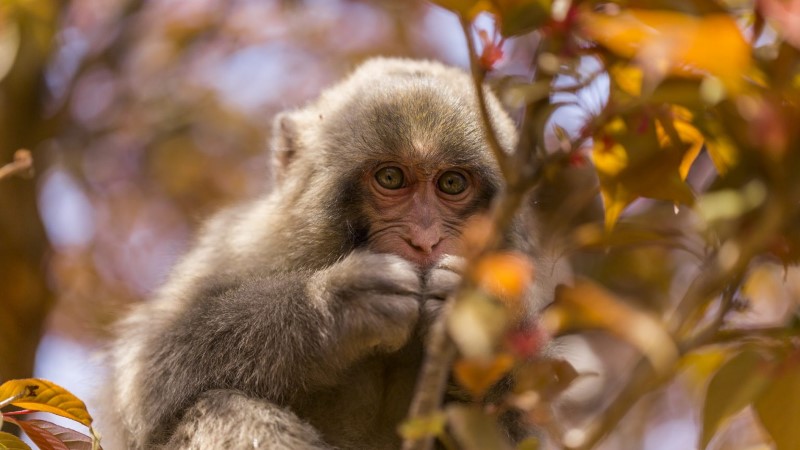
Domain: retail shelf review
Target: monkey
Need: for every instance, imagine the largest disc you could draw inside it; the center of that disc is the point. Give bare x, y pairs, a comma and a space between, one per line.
297, 320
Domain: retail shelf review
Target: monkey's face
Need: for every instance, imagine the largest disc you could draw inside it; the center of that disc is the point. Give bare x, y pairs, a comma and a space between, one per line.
416, 211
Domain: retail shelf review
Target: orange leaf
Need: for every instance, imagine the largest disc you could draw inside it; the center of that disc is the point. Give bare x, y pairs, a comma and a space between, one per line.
42, 395
478, 375
672, 43
506, 275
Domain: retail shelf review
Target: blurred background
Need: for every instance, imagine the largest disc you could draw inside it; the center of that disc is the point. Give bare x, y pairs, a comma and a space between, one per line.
144, 118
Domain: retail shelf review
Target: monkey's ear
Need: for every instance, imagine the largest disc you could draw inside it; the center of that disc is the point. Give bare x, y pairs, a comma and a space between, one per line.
285, 142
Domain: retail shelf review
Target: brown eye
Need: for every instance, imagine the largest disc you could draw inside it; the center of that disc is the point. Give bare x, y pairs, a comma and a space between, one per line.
452, 183
390, 177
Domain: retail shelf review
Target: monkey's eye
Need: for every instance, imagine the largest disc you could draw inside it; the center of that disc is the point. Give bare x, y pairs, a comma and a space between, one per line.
452, 183
390, 177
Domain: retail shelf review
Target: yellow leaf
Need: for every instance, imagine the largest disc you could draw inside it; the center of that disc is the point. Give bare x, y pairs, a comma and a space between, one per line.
778, 409
42, 395
478, 374
631, 163
688, 134
736, 385
628, 78
588, 305
721, 150
672, 43
10, 442
422, 427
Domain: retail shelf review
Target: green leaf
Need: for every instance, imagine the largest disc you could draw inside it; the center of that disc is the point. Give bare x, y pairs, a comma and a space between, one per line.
422, 427
474, 430
735, 385
521, 16
10, 442
779, 408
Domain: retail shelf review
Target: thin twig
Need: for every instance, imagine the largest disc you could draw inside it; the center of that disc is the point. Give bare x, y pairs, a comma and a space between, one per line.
478, 75
22, 165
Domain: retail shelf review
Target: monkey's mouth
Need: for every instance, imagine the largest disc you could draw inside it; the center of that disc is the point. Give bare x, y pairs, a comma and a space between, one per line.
423, 260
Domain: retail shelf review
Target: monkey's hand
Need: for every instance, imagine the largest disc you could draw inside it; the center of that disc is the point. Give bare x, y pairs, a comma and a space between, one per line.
373, 300
440, 282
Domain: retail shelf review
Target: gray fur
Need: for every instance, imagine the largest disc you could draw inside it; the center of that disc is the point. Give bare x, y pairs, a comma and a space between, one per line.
280, 329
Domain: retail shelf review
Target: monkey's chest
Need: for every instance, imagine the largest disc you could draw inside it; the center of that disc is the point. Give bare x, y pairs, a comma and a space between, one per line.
364, 410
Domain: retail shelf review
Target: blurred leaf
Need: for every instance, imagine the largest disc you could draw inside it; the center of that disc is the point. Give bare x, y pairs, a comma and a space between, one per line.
728, 204
466, 8
628, 78
10, 442
593, 236
9, 44
688, 134
42, 395
422, 427
505, 275
521, 16
735, 385
548, 377
475, 430
700, 365
588, 305
778, 407
631, 163
671, 43
531, 443
477, 324
477, 375
723, 153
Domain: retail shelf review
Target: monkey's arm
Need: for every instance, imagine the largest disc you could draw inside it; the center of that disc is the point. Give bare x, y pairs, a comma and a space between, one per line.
282, 336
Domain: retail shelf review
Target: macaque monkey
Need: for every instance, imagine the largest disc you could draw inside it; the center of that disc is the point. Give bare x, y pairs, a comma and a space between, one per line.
297, 320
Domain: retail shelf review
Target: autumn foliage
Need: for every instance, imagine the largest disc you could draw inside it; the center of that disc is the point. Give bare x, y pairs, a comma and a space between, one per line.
696, 152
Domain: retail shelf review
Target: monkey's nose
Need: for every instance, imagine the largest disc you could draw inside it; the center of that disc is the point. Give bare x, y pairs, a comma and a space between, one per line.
424, 241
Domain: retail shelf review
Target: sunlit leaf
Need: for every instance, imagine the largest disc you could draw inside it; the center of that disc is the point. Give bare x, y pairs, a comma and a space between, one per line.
671, 43
632, 163
477, 375
778, 408
422, 427
505, 275
688, 134
477, 324
10, 442
475, 430
628, 78
42, 395
588, 305
736, 384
